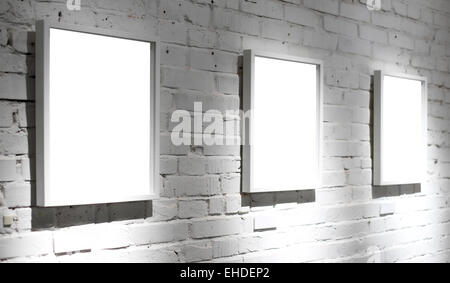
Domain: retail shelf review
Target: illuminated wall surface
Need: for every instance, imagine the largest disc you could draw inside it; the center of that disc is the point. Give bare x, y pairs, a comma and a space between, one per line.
202, 215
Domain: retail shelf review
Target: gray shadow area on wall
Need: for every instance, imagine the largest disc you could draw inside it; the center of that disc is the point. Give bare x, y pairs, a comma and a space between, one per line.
386, 191
61, 217
395, 191
277, 198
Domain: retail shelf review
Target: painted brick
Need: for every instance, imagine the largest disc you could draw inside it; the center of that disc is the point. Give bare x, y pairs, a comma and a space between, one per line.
400, 8
231, 184
143, 234
426, 63
326, 6
186, 100
360, 177
28, 244
357, 98
337, 131
414, 11
263, 8
355, 11
216, 227
225, 247
7, 113
14, 170
386, 20
174, 55
151, 255
13, 143
192, 165
418, 30
171, 31
23, 220
111, 236
224, 19
339, 26
360, 132
12, 63
337, 114
342, 79
3, 36
373, 34
216, 165
400, 40
222, 150
201, 37
197, 251
17, 194
90, 237
23, 41
8, 170
300, 16
194, 186
183, 10
282, 31
355, 46
193, 209
16, 87
194, 80
233, 204
213, 61
216, 205
168, 165
228, 84
164, 209
320, 40
392, 54
228, 41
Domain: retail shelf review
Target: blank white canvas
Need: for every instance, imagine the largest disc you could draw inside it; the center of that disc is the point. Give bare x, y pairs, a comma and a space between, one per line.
99, 109
402, 144
284, 125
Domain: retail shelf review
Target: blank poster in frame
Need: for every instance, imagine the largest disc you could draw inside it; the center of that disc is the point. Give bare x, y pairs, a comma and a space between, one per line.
400, 129
282, 136
97, 116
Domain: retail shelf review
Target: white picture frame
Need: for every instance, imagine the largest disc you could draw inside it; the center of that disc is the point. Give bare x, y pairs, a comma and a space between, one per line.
313, 69
400, 131
48, 131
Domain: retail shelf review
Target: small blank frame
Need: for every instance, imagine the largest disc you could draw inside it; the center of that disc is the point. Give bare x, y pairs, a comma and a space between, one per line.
97, 116
282, 148
400, 129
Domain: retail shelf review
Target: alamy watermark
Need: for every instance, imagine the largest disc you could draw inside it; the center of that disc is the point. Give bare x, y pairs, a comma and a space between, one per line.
374, 255
212, 127
374, 5
73, 5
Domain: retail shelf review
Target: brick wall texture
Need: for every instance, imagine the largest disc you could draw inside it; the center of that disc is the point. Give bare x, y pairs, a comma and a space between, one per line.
201, 215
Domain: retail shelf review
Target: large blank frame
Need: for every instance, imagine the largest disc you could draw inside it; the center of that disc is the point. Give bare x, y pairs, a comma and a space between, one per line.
97, 116
282, 148
400, 129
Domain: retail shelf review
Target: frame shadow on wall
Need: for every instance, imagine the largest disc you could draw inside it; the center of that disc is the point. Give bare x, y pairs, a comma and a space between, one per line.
61, 217
269, 199
379, 192
278, 198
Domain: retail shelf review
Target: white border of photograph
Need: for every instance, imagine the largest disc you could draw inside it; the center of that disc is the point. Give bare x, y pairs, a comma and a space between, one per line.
248, 131
420, 155
43, 148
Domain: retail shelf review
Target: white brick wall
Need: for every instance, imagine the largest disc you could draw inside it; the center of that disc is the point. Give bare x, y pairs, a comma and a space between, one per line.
202, 216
